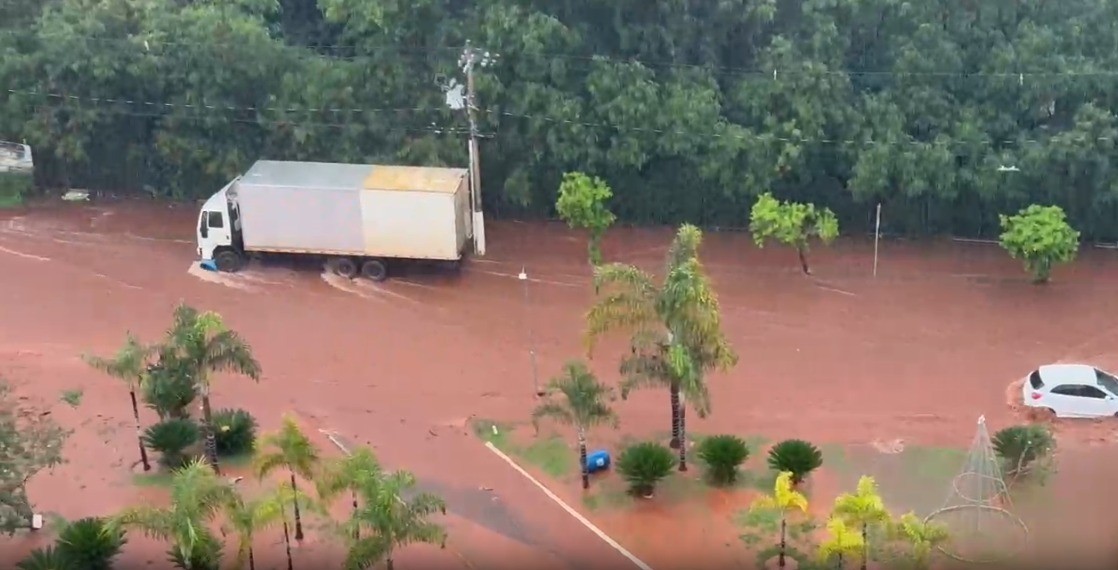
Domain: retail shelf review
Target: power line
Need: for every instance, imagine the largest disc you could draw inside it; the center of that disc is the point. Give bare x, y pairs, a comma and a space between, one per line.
210, 106
215, 112
588, 59
431, 129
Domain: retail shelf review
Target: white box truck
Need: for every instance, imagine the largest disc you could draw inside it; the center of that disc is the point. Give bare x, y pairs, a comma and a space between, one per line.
358, 217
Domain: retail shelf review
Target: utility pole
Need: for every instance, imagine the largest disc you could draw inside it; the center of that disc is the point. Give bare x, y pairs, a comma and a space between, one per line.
531, 338
472, 58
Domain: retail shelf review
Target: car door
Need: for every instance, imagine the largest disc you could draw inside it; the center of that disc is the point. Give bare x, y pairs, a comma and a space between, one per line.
1068, 402
1096, 403
219, 231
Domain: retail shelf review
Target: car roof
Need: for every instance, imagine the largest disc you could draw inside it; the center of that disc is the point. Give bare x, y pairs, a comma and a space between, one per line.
1055, 374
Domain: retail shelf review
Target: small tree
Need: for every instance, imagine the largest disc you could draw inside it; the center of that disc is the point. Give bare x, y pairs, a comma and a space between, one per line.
1021, 448
723, 454
643, 465
922, 536
129, 365
1040, 237
792, 224
864, 509
582, 204
585, 404
30, 441
796, 456
290, 449
784, 499
841, 543
394, 515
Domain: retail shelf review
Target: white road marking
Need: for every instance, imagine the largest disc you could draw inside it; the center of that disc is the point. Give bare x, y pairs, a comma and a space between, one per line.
611, 542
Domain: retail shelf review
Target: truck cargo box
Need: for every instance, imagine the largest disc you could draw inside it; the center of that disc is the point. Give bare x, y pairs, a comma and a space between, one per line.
357, 210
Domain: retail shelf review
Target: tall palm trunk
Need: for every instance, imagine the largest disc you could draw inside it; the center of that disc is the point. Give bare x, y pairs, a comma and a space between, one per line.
139, 430
673, 390
865, 546
803, 261
582, 462
287, 545
356, 528
210, 443
295, 503
251, 560
783, 541
682, 414
390, 564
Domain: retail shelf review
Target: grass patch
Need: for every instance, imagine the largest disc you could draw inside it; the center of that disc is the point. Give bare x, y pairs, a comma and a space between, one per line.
918, 478
550, 454
153, 478
71, 397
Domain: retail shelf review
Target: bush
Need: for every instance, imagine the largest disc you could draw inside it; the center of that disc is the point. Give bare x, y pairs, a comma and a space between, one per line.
643, 465
1020, 447
89, 545
1040, 237
206, 554
797, 456
169, 390
234, 431
723, 454
171, 438
48, 558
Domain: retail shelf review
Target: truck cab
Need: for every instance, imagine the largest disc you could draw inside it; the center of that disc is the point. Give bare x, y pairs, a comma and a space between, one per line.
219, 232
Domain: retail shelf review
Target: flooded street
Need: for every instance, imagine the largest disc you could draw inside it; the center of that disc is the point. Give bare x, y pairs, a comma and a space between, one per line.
402, 366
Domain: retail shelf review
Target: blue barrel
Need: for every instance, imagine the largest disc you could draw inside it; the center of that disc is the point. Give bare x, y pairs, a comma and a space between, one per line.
597, 461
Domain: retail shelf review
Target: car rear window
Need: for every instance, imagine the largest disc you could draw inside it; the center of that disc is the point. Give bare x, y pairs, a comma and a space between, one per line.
1034, 380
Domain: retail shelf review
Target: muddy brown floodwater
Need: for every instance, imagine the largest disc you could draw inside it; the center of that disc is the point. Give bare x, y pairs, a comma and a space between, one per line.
915, 354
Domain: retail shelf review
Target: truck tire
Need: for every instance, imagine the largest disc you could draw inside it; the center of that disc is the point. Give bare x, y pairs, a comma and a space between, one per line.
228, 261
345, 267
375, 270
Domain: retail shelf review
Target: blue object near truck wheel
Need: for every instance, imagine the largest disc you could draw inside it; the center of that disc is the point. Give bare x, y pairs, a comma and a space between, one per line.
208, 265
597, 461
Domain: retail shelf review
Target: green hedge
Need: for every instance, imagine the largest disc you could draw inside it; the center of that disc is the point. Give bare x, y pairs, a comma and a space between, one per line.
13, 187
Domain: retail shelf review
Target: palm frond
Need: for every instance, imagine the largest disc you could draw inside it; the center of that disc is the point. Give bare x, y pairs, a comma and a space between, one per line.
229, 352
627, 301
644, 370
129, 363
289, 447
348, 473
553, 411
366, 552
685, 246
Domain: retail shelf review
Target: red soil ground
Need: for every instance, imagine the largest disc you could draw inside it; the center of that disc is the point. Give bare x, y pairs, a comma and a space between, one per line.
916, 353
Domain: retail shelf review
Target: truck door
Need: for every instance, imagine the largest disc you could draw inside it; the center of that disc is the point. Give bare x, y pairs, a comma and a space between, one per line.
220, 233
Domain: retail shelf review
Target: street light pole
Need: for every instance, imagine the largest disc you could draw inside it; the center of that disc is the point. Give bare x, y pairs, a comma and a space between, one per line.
531, 340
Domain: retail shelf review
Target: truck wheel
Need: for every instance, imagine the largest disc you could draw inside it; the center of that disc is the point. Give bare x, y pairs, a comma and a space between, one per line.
228, 261
344, 267
375, 270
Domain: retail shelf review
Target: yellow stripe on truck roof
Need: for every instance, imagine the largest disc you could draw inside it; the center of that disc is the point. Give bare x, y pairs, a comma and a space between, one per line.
415, 178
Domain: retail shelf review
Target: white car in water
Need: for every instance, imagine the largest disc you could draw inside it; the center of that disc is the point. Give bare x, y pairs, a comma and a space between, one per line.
1072, 391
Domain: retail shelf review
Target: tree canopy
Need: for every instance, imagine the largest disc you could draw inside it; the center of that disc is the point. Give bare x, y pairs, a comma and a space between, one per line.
947, 113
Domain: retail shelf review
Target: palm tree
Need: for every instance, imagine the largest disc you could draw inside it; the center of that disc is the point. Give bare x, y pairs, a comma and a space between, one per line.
586, 405
288, 448
842, 541
197, 496
392, 520
922, 535
676, 329
203, 345
128, 365
784, 499
863, 508
247, 516
353, 472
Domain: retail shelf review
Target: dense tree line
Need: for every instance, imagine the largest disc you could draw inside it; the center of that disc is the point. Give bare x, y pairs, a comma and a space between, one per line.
948, 112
